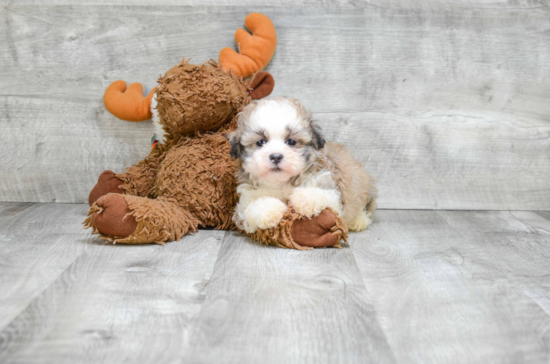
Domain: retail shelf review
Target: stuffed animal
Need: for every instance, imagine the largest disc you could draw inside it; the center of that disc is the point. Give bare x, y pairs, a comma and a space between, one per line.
188, 179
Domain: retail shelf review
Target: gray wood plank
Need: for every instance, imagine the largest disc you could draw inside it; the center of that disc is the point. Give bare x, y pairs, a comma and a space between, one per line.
418, 286
270, 305
37, 243
518, 242
448, 106
114, 303
450, 161
443, 286
402, 4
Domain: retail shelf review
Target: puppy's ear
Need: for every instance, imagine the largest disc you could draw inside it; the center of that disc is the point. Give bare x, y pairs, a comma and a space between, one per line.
318, 141
234, 139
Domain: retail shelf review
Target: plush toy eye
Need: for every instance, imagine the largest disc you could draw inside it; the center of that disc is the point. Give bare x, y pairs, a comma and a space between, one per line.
260, 143
291, 142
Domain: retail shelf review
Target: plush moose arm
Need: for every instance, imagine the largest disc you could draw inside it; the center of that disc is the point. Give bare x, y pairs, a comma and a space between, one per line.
128, 103
138, 180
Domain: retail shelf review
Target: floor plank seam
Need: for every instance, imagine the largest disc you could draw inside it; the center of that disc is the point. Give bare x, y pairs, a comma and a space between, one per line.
46, 288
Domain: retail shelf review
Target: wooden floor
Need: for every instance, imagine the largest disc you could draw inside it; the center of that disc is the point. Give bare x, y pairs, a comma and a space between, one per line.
418, 287
446, 102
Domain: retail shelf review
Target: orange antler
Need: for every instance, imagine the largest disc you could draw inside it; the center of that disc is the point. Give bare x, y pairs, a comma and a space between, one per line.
128, 104
255, 50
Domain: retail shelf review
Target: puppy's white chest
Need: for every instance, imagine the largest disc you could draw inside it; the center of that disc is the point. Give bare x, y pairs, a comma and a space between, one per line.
282, 193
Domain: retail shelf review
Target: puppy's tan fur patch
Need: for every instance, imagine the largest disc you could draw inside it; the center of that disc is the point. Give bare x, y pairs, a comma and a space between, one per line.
355, 184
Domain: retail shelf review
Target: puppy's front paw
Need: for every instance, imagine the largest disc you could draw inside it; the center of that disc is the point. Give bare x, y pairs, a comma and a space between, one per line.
264, 213
311, 201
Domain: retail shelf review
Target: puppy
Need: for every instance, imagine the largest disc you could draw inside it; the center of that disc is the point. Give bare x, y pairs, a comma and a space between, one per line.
284, 158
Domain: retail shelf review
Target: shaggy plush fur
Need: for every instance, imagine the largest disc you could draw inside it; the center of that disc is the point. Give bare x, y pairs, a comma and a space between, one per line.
194, 98
188, 180
191, 174
196, 173
158, 221
285, 235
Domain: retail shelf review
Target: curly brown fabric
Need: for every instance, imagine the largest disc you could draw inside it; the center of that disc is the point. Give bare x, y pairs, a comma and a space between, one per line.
282, 235
192, 98
140, 178
199, 174
158, 221
189, 181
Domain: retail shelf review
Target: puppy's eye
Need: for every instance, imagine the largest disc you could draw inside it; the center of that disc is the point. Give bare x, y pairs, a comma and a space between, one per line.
260, 143
291, 142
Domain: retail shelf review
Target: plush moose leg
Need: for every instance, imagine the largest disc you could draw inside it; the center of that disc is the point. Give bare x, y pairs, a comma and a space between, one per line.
106, 183
298, 232
137, 220
138, 179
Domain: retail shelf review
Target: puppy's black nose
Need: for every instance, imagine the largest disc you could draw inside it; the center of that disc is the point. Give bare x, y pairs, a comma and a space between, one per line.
276, 158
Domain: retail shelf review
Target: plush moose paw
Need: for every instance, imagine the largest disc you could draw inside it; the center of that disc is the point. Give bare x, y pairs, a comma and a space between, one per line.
114, 217
106, 183
319, 231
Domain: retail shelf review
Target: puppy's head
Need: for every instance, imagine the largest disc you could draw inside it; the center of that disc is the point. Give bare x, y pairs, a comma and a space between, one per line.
275, 139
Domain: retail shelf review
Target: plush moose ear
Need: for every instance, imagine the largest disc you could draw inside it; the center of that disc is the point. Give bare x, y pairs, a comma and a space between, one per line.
262, 84
234, 139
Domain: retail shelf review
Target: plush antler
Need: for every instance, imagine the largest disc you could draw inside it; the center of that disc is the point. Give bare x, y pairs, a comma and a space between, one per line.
128, 104
255, 50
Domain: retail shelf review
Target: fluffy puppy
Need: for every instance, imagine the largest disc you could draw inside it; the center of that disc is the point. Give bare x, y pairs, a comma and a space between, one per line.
284, 158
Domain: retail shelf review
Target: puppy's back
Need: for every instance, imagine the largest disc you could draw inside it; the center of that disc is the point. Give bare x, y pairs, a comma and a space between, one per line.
355, 183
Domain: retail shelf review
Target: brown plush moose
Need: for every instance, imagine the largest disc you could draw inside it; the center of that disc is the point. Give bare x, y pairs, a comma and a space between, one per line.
188, 179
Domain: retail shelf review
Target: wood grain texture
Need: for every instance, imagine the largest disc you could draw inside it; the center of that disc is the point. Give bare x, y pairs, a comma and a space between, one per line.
402, 4
114, 303
451, 160
417, 287
456, 95
37, 243
518, 242
459, 287
270, 305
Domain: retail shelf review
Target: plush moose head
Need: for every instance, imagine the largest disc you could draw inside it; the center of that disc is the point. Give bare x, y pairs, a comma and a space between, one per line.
191, 98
